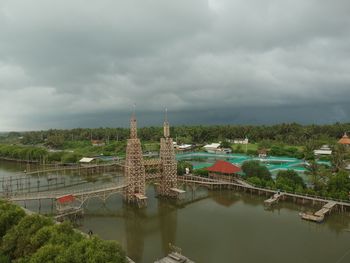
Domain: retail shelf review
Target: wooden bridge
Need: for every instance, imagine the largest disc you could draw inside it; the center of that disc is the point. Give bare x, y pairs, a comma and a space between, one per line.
103, 192
327, 204
81, 169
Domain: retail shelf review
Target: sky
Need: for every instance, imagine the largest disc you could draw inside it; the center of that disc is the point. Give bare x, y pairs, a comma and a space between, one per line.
75, 63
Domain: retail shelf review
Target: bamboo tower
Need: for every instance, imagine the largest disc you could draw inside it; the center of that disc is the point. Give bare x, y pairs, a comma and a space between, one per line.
135, 176
168, 162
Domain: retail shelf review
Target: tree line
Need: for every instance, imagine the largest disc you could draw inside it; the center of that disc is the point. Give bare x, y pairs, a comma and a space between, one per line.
289, 133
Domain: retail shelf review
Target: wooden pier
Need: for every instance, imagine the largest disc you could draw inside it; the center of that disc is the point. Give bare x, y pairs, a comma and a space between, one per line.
328, 204
320, 214
273, 199
174, 257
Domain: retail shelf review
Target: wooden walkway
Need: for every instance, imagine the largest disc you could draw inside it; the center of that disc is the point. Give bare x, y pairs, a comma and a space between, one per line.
273, 199
62, 168
212, 183
320, 214
174, 257
96, 191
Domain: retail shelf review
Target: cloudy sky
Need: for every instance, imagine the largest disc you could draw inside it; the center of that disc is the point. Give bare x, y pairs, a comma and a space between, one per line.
75, 63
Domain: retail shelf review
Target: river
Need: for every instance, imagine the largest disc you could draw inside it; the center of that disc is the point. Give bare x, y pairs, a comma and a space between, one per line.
215, 226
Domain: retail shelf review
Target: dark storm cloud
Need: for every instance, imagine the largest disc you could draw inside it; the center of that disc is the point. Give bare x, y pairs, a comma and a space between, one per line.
84, 63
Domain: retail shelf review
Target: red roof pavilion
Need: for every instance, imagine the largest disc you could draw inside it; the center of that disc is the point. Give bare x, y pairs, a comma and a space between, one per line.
344, 140
224, 167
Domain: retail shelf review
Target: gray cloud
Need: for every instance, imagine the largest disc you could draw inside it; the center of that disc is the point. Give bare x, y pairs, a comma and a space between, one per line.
77, 63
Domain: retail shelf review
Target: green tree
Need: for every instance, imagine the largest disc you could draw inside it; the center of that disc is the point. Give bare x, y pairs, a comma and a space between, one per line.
10, 215
93, 250
339, 185
225, 144
290, 181
256, 169
338, 157
201, 172
182, 165
17, 241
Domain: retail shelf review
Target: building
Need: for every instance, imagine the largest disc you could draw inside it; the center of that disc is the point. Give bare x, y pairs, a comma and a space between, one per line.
241, 141
345, 140
222, 168
324, 150
184, 147
87, 160
212, 148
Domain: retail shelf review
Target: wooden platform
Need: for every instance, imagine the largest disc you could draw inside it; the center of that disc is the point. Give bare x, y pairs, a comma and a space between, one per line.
174, 257
274, 199
140, 196
178, 191
311, 217
320, 214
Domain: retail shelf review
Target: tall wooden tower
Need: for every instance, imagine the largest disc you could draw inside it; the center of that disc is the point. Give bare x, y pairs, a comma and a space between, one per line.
134, 168
168, 163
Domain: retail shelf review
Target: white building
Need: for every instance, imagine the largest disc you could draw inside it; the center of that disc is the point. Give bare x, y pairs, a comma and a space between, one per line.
241, 141
212, 148
185, 147
324, 150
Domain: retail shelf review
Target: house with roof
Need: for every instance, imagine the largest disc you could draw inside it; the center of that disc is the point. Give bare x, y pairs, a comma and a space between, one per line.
212, 148
345, 140
222, 168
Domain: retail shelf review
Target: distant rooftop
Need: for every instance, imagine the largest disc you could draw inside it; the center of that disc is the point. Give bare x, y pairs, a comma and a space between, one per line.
344, 140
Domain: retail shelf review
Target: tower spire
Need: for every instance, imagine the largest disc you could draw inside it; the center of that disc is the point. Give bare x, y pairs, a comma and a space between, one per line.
166, 125
133, 124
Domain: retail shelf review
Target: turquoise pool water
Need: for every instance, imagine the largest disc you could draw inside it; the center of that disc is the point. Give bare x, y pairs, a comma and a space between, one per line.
273, 163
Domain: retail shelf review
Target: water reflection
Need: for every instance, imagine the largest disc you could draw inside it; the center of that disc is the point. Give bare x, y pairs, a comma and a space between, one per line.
135, 231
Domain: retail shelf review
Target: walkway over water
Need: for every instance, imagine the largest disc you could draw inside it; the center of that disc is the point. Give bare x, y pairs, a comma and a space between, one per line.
212, 183
320, 214
83, 193
274, 199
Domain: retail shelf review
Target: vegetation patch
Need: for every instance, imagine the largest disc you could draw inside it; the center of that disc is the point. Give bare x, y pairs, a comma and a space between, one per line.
35, 238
